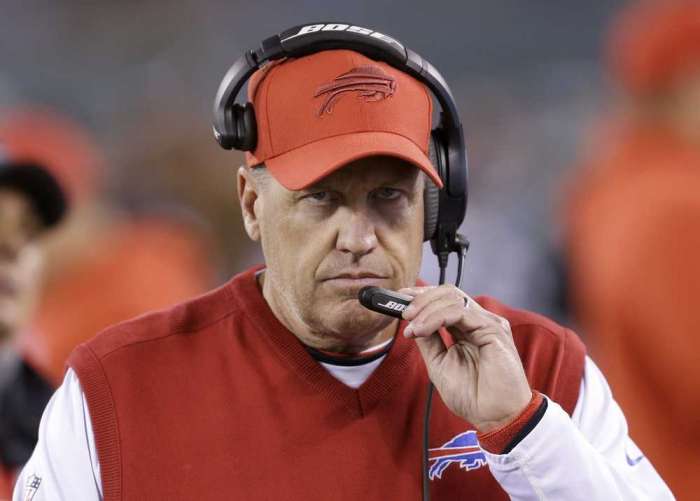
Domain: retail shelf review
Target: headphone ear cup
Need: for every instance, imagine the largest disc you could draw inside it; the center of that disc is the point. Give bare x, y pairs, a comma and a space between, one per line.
242, 129
224, 137
431, 193
249, 135
431, 203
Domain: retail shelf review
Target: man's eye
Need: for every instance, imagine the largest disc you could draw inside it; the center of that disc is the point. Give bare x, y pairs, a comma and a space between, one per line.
387, 193
320, 197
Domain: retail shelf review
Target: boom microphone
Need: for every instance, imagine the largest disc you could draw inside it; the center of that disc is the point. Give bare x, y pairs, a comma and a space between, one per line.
384, 301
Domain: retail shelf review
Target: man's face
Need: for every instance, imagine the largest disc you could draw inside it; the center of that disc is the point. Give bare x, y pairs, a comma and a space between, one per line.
362, 225
20, 260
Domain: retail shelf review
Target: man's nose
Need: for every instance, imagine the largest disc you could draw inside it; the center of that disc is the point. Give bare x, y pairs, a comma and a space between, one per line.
357, 234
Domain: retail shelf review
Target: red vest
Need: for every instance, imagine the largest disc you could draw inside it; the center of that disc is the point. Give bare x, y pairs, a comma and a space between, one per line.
214, 399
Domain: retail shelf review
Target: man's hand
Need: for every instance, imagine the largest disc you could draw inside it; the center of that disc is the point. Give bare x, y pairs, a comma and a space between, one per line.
480, 378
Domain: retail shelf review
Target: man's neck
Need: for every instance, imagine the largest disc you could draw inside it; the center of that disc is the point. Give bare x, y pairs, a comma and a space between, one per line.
320, 341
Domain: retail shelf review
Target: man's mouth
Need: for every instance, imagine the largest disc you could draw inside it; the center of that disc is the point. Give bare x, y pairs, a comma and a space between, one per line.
357, 275
356, 279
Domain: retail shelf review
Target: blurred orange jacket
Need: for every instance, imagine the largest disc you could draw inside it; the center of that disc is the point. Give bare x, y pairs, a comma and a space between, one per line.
633, 237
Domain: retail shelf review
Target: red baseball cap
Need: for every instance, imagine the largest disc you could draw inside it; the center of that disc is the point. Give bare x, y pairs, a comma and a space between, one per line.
317, 113
652, 42
58, 143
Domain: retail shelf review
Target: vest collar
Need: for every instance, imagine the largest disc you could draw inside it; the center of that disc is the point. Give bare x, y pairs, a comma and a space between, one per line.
402, 359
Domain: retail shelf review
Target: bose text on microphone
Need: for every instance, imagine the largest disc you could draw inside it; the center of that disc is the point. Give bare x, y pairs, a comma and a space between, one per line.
384, 301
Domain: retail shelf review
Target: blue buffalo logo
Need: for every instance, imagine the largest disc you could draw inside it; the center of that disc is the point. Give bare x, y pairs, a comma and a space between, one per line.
463, 450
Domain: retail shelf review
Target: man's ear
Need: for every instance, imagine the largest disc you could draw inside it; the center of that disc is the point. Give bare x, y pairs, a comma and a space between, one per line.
248, 195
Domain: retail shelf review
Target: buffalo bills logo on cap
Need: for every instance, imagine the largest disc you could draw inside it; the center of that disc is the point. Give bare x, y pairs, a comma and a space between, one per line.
462, 450
370, 82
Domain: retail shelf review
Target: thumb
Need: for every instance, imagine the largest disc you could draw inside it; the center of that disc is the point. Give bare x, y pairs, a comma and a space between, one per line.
431, 348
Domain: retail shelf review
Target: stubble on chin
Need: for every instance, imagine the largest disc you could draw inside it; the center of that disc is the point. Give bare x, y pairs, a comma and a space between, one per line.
347, 321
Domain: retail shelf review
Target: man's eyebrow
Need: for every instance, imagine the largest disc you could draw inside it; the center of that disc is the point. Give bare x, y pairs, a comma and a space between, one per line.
321, 184
401, 178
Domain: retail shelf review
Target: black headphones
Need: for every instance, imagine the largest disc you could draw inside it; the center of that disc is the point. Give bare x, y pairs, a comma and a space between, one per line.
235, 125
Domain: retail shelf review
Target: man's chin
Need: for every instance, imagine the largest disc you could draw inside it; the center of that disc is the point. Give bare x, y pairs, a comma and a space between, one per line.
349, 319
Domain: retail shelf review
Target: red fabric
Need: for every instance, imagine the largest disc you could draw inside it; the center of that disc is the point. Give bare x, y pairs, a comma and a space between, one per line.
215, 399
654, 41
7, 482
59, 144
497, 440
317, 117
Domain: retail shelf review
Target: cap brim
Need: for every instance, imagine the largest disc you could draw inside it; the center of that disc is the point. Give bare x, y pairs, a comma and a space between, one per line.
302, 167
46, 195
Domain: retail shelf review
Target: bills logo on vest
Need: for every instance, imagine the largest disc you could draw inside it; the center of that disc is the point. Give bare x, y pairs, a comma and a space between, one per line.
463, 450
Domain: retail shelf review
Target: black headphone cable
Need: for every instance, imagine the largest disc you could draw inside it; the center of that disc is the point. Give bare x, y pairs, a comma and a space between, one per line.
461, 248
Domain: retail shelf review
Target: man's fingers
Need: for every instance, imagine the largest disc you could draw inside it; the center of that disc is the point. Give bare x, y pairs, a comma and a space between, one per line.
448, 306
414, 291
434, 317
431, 295
418, 312
419, 294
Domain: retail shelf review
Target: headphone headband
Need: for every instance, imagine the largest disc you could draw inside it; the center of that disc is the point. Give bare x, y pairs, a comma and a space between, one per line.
310, 38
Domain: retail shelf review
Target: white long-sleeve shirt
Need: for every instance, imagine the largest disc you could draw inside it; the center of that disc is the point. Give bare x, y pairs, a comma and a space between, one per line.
588, 456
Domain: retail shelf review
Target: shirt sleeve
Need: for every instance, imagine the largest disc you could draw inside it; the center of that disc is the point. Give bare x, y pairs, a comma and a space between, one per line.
588, 456
64, 463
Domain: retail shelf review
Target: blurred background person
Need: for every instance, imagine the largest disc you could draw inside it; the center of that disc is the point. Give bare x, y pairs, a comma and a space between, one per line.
31, 202
633, 235
105, 265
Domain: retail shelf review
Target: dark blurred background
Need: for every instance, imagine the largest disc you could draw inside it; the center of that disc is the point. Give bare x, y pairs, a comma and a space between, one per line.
140, 76
583, 131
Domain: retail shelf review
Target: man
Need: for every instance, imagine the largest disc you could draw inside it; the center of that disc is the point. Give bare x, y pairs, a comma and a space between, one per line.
31, 201
633, 235
280, 385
